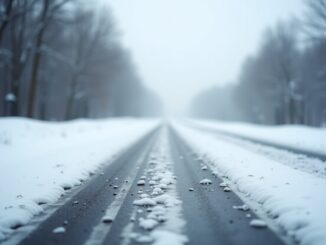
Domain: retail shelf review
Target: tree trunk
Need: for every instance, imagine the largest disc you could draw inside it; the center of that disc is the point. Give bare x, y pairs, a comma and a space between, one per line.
36, 62
4, 24
71, 97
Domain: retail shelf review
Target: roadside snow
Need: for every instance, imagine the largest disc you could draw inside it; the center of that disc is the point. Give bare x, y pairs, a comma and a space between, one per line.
41, 159
293, 199
316, 167
300, 137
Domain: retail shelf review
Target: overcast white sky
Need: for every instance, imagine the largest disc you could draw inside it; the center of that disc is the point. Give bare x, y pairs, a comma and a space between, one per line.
184, 46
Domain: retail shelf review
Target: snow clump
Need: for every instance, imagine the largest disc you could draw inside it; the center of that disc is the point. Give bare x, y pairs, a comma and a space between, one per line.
205, 182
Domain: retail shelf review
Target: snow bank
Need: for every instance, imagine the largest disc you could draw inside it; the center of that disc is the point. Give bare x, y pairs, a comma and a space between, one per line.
293, 199
41, 159
299, 137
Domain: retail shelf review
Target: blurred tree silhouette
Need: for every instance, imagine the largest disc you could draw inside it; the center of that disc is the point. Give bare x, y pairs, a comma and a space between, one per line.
281, 83
62, 59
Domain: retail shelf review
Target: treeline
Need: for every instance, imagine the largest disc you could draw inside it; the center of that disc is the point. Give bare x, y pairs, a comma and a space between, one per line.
283, 83
62, 59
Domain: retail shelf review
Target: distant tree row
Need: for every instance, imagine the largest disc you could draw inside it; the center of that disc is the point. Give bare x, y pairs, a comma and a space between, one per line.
283, 83
62, 59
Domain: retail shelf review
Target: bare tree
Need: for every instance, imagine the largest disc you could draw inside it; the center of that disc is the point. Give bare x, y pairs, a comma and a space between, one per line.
6, 6
316, 19
48, 10
89, 31
284, 58
61, 61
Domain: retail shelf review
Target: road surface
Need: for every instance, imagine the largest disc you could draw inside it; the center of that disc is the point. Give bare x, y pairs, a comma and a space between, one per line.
104, 209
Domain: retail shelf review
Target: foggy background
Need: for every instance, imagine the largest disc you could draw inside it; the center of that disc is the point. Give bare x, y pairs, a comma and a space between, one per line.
183, 46
254, 61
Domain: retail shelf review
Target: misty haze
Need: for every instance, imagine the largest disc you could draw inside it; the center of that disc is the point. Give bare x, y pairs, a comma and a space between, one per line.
162, 122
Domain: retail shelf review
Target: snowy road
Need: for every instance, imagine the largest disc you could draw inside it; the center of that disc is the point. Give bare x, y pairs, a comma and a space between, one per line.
179, 185
209, 209
278, 144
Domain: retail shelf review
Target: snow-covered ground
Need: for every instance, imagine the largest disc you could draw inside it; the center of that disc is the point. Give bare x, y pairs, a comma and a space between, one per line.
293, 200
300, 137
39, 160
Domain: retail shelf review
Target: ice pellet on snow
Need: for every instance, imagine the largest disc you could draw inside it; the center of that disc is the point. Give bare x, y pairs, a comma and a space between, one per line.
166, 181
243, 207
214, 173
141, 182
147, 224
152, 182
205, 182
59, 229
143, 195
157, 191
223, 184
162, 186
145, 202
258, 223
107, 219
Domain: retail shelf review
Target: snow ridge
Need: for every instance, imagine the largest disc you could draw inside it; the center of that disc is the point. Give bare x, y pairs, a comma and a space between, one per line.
159, 206
40, 161
292, 199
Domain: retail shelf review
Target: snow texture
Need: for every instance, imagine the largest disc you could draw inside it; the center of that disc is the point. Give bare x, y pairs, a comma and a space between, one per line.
163, 217
205, 182
162, 237
292, 199
258, 223
300, 137
147, 224
145, 202
59, 229
40, 160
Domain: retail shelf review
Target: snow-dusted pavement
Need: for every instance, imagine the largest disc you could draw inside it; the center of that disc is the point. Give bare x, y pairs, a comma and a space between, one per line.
286, 189
130, 182
42, 161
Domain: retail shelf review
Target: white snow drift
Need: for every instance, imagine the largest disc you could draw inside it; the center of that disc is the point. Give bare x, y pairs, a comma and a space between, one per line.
300, 137
293, 199
39, 159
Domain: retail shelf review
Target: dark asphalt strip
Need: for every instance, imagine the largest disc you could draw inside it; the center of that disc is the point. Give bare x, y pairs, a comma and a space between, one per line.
210, 216
307, 153
117, 233
86, 208
123, 218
